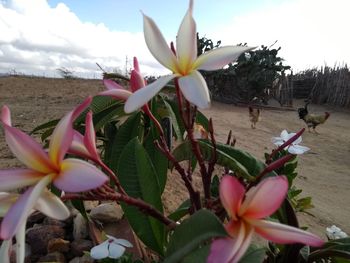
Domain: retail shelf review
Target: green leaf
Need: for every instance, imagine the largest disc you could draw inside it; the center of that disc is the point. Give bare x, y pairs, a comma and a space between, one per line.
79, 205
199, 255
46, 125
192, 233
139, 179
174, 121
203, 120
108, 114
175, 109
224, 159
126, 132
253, 255
181, 211
252, 164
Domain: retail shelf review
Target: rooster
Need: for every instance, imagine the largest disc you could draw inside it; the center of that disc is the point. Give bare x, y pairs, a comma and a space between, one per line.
254, 116
312, 120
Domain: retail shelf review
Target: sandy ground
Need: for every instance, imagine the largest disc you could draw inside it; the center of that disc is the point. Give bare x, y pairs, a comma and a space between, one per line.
324, 172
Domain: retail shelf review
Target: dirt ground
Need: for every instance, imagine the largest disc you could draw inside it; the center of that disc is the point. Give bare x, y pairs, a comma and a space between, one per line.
324, 172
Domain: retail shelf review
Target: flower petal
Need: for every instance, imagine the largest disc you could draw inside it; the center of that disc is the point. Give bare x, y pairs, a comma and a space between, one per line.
231, 194
100, 251
27, 150
278, 141
297, 149
284, 234
90, 137
120, 241
50, 205
142, 96
157, 44
265, 198
62, 136
115, 250
11, 179
18, 213
112, 85
20, 243
219, 57
6, 201
136, 81
77, 147
77, 176
186, 41
6, 115
226, 249
5, 251
221, 250
195, 89
119, 94
285, 136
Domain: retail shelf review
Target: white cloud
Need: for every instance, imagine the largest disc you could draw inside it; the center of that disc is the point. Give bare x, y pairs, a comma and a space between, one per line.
35, 37
310, 32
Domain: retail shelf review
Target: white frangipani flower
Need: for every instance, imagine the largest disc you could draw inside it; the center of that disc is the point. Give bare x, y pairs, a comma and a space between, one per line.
294, 147
112, 248
335, 232
184, 64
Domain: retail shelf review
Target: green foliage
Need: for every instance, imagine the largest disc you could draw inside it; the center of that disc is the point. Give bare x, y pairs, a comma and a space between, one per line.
191, 234
139, 179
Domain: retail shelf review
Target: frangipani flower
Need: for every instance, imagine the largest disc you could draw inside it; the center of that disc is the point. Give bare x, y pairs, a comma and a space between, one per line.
85, 146
294, 147
47, 203
246, 211
119, 92
184, 65
112, 248
43, 168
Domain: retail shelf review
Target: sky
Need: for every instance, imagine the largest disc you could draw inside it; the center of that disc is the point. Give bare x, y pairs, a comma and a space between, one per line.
39, 36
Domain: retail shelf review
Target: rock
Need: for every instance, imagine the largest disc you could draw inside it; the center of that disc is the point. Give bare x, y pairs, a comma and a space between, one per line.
56, 257
58, 245
90, 204
35, 218
79, 246
109, 212
39, 236
83, 259
53, 222
80, 227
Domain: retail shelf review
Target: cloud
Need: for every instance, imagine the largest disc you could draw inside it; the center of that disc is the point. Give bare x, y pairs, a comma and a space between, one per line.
310, 32
36, 37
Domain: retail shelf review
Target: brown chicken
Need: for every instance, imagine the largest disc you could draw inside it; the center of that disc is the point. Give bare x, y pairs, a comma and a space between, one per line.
254, 116
312, 120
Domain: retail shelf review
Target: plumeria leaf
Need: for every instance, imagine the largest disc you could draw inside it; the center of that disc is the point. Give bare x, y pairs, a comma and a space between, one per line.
157, 157
202, 120
79, 205
174, 120
174, 106
191, 233
50, 124
108, 114
199, 255
126, 132
139, 179
181, 211
223, 158
254, 254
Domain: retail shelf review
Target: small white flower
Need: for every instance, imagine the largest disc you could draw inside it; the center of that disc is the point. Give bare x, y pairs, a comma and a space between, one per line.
335, 232
112, 248
294, 147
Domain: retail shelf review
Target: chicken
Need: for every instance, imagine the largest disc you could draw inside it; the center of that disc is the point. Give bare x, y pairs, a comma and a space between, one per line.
312, 120
199, 132
254, 116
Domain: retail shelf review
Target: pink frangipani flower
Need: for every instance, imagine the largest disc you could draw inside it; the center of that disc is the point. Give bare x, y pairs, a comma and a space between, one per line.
247, 211
43, 168
119, 92
184, 65
85, 146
